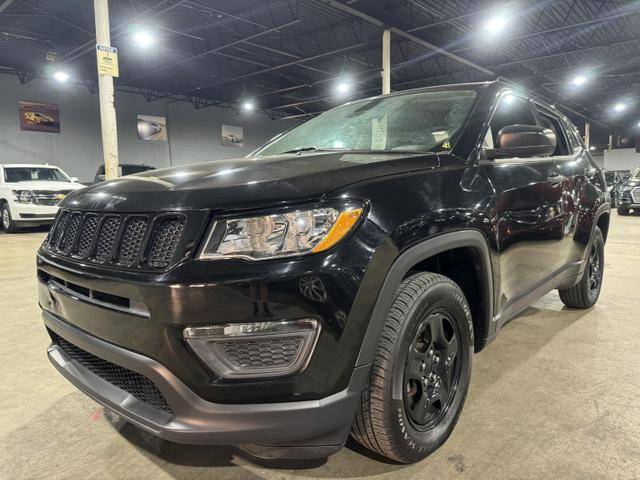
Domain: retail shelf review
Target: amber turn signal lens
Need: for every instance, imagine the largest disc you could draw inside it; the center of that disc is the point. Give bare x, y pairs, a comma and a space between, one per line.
344, 223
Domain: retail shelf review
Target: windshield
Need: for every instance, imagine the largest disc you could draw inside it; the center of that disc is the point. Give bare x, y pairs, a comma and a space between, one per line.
421, 121
34, 174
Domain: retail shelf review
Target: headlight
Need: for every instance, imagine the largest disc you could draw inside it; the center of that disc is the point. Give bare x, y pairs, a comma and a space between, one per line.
24, 196
279, 235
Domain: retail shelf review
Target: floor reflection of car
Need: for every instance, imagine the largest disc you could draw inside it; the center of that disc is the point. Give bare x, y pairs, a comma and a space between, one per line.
123, 169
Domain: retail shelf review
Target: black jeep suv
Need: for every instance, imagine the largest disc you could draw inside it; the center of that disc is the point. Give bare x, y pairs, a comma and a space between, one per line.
338, 280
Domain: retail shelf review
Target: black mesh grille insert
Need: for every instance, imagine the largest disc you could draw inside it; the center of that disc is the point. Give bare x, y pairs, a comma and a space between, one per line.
107, 238
263, 353
132, 239
131, 382
165, 240
59, 229
87, 234
137, 240
69, 235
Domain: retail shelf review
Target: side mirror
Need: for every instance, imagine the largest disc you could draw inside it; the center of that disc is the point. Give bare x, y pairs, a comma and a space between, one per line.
523, 141
75, 179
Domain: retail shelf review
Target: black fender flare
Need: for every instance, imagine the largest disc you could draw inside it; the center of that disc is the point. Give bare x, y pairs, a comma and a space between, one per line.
415, 254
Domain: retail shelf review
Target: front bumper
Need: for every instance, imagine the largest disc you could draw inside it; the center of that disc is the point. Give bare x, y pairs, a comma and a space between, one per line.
630, 198
24, 213
313, 423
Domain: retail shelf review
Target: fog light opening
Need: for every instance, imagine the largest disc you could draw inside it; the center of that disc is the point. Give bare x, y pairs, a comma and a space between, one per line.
255, 350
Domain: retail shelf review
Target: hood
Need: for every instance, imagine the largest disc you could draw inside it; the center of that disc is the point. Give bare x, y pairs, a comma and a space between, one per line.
246, 182
44, 185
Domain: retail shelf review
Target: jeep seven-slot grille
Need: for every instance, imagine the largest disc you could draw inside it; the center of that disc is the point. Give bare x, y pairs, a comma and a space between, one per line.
131, 382
120, 240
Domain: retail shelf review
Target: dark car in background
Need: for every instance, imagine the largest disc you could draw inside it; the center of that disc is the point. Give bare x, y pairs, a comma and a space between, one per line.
336, 281
124, 169
630, 193
614, 179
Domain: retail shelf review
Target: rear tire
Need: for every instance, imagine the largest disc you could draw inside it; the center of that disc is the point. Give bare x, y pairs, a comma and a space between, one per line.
7, 221
421, 371
623, 211
586, 292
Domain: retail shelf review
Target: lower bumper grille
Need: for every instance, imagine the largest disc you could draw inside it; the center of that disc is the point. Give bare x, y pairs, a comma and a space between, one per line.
131, 382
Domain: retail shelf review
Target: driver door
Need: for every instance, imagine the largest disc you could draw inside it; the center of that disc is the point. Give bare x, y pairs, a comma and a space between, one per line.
528, 213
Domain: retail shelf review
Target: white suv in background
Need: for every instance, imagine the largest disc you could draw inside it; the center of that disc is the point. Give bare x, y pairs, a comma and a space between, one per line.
30, 194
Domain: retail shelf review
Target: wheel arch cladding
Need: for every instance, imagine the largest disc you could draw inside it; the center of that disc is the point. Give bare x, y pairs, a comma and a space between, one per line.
603, 224
416, 255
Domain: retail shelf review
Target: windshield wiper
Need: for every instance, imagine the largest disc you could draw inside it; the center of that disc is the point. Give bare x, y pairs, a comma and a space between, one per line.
302, 149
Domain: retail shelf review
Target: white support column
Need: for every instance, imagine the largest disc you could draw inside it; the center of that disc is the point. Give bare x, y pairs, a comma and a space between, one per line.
105, 84
610, 140
386, 62
587, 134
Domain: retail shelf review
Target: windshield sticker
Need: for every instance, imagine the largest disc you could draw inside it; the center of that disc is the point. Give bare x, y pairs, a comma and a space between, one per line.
379, 133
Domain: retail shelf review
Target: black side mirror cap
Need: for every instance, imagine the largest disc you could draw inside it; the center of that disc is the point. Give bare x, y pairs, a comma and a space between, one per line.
523, 141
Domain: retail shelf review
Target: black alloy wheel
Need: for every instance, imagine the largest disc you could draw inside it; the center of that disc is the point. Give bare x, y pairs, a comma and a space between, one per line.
431, 372
595, 270
586, 292
420, 373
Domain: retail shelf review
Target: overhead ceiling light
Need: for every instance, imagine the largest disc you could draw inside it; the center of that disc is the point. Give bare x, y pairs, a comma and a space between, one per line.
248, 106
619, 107
343, 88
580, 80
143, 39
496, 24
61, 76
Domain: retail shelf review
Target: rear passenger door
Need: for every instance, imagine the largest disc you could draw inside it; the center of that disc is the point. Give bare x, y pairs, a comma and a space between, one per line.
569, 163
529, 222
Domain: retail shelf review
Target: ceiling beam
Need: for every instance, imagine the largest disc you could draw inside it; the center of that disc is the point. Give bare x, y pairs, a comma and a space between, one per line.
560, 28
116, 31
210, 51
406, 35
6, 4
276, 67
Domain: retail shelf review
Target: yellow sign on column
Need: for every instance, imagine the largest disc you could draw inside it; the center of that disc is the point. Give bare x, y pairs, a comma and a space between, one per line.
107, 60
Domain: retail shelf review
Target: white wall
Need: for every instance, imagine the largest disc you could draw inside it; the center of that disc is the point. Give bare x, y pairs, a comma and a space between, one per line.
621, 159
194, 134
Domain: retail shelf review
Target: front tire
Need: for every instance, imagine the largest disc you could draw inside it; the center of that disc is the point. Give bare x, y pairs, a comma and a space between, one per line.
7, 221
421, 372
586, 292
623, 211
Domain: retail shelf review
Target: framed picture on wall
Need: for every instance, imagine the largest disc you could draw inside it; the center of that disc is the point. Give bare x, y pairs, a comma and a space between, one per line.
39, 116
152, 128
232, 136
